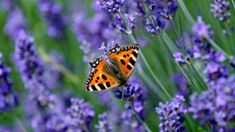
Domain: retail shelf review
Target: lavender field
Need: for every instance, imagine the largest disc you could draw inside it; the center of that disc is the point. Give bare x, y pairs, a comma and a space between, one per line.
179, 75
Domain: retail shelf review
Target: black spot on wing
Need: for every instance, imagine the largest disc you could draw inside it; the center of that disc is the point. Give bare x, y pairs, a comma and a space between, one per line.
102, 87
107, 84
134, 53
93, 88
132, 61
123, 62
129, 67
104, 77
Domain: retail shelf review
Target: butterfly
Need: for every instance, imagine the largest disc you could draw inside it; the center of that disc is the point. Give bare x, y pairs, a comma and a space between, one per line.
114, 71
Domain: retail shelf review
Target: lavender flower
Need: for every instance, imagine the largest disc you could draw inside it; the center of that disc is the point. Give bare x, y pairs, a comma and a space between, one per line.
4, 128
200, 29
51, 12
215, 70
93, 32
56, 123
164, 9
104, 124
15, 23
181, 84
124, 24
154, 26
112, 6
134, 90
216, 105
171, 115
7, 5
79, 115
161, 12
180, 58
136, 93
130, 123
220, 9
8, 98
52, 76
30, 65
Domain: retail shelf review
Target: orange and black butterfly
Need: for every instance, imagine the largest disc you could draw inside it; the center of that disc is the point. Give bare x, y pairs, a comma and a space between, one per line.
115, 71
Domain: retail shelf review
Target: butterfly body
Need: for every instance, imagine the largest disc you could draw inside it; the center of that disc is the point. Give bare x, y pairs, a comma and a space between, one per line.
114, 71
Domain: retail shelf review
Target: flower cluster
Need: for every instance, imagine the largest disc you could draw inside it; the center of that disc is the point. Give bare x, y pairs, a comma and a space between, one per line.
7, 5
160, 14
30, 65
53, 76
104, 124
220, 9
172, 115
92, 32
182, 85
180, 58
51, 12
214, 68
130, 123
9, 98
79, 115
136, 93
112, 6
15, 23
216, 105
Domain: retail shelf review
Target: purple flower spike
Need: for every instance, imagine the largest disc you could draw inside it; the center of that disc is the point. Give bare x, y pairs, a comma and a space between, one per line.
215, 70
112, 6
182, 85
200, 29
180, 58
15, 22
216, 105
28, 62
122, 26
93, 32
8, 98
172, 115
104, 124
130, 123
136, 93
79, 115
220, 9
52, 14
7, 5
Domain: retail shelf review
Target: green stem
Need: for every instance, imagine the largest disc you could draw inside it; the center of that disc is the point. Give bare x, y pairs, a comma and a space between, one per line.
168, 41
186, 12
150, 84
233, 3
187, 78
59, 67
212, 42
198, 76
150, 69
21, 125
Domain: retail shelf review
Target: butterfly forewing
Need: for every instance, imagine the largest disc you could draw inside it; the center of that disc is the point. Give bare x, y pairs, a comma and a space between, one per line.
98, 79
126, 57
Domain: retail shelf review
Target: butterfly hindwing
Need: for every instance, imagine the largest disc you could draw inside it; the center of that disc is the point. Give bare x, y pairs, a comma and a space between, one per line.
98, 79
125, 57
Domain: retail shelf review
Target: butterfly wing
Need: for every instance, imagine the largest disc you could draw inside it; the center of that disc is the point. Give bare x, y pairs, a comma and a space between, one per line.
98, 79
125, 57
